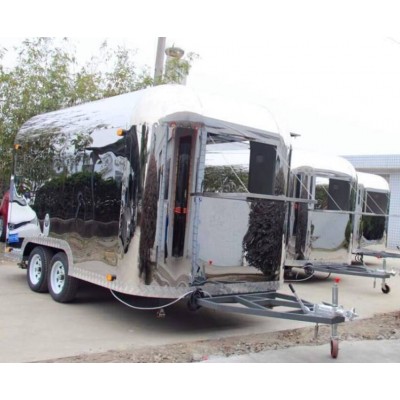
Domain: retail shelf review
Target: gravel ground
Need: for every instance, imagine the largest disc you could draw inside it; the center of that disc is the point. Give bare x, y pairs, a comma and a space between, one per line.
383, 326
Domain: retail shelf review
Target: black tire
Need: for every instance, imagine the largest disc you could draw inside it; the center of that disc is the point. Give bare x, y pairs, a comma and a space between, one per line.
38, 268
62, 287
2, 230
386, 288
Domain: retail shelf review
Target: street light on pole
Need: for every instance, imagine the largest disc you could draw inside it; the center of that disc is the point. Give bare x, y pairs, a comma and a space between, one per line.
174, 52
173, 64
174, 69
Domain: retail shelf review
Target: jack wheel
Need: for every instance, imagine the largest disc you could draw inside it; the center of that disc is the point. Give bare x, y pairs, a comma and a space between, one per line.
334, 348
386, 288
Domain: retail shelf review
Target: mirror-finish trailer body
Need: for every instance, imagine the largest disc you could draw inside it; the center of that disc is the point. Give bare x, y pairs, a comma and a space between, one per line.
324, 234
160, 190
323, 229
372, 209
163, 193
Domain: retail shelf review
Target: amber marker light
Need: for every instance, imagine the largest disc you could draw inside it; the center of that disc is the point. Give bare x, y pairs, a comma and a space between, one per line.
120, 132
111, 278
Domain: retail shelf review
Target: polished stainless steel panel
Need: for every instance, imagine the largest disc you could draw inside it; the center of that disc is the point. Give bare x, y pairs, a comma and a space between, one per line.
322, 231
124, 205
373, 200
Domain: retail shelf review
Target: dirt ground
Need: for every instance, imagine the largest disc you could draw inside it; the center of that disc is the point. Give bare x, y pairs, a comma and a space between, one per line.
379, 327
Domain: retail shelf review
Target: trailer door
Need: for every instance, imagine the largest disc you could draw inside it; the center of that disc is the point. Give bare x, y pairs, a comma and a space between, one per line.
180, 210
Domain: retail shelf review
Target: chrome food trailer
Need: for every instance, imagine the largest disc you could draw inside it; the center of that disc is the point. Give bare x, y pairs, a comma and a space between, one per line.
372, 219
373, 199
323, 233
164, 193
321, 229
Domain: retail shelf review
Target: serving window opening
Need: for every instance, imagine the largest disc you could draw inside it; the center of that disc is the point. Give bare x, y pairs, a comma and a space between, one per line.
332, 194
241, 234
374, 224
237, 165
376, 203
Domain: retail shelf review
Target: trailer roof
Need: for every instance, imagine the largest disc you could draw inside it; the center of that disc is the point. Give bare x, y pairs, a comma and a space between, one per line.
152, 105
373, 182
322, 163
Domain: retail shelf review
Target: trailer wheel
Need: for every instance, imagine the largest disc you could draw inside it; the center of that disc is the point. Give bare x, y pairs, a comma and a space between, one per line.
62, 287
37, 270
386, 288
359, 258
192, 303
334, 348
309, 270
2, 230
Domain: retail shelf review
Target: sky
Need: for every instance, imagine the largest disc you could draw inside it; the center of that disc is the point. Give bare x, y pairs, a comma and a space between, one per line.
329, 71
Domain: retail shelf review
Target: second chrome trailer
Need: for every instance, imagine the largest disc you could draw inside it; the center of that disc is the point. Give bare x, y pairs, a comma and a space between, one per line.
323, 233
371, 221
163, 193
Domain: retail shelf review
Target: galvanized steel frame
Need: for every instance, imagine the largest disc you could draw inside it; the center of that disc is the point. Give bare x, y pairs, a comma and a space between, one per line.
262, 304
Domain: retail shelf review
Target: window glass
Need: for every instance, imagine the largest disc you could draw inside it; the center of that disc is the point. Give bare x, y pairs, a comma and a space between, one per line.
238, 166
332, 194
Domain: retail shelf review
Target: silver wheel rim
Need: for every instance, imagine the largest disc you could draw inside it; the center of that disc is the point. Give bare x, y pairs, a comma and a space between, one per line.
35, 269
57, 277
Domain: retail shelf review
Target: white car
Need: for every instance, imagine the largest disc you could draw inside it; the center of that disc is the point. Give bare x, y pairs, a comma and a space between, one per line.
22, 220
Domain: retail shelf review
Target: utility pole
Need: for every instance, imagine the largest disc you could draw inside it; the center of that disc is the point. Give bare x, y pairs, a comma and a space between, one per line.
159, 67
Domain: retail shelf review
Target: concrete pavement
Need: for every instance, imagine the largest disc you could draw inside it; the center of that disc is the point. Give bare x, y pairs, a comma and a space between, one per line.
34, 328
366, 351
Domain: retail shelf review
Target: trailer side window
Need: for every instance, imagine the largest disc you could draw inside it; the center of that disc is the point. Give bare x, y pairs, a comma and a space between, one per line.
339, 195
233, 166
226, 165
332, 194
262, 168
377, 203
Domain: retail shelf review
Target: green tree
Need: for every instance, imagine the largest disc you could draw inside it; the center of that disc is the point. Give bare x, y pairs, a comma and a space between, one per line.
40, 82
177, 69
46, 77
124, 77
4, 144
